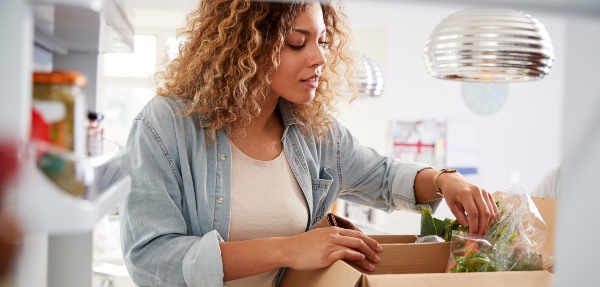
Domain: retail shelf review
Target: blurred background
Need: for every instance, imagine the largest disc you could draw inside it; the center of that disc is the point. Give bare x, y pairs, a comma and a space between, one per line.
413, 117
516, 145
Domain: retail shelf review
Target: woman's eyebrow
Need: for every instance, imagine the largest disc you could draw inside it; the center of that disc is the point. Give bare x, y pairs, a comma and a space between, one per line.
306, 32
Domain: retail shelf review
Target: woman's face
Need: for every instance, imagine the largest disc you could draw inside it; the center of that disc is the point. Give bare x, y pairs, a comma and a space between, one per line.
302, 58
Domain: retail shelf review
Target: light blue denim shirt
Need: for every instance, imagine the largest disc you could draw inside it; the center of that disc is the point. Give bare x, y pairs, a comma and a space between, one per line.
179, 206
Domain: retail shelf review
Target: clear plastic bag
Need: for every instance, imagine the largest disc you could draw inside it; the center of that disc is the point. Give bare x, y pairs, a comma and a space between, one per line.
512, 243
470, 253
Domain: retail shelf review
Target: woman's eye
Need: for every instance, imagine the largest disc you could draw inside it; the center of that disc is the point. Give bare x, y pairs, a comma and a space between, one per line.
296, 47
324, 44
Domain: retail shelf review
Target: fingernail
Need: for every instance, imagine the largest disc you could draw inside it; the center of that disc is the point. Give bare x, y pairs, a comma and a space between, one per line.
377, 259
371, 267
379, 247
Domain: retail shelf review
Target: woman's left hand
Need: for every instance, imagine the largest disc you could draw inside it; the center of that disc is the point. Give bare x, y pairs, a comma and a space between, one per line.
472, 206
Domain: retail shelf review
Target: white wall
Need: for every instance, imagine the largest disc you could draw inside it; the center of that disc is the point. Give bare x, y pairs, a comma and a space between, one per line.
524, 136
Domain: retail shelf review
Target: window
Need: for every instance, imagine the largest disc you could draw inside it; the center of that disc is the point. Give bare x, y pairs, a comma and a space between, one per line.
173, 44
124, 82
140, 63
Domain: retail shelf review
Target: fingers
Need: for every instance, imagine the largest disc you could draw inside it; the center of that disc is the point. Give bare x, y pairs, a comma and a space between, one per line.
492, 207
472, 214
321, 247
459, 212
346, 254
353, 255
359, 242
474, 207
483, 210
365, 264
372, 243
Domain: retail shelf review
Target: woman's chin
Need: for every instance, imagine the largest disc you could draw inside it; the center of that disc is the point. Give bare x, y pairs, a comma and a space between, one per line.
304, 99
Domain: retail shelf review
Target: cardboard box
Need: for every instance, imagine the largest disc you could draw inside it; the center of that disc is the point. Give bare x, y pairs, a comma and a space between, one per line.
405, 263
547, 209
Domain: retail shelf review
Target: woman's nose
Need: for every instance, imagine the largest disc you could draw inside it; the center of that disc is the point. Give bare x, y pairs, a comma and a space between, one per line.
318, 56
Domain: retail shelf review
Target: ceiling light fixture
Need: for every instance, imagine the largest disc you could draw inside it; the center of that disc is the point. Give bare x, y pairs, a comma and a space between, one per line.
489, 45
369, 77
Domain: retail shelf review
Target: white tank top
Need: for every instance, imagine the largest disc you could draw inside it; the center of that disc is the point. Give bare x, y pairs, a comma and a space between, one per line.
266, 201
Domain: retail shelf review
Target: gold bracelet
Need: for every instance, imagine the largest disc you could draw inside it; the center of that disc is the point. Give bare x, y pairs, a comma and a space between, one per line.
438, 190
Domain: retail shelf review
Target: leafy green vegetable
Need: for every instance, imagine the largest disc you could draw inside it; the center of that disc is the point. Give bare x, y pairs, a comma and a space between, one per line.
474, 262
427, 223
532, 262
497, 254
433, 226
440, 226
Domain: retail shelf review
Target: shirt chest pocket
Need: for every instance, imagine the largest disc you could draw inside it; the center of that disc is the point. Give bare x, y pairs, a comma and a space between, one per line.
320, 189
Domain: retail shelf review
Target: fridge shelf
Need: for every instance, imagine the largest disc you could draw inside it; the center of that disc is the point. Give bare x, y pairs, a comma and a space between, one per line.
75, 197
47, 41
99, 26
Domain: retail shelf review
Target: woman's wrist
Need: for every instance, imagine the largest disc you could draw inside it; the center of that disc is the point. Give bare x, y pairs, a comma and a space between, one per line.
250, 257
425, 191
282, 256
441, 177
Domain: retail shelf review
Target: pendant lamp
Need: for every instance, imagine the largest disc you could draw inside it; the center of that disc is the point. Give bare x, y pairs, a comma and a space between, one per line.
369, 77
489, 45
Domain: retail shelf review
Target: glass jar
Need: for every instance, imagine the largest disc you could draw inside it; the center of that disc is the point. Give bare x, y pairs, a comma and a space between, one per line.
59, 101
58, 97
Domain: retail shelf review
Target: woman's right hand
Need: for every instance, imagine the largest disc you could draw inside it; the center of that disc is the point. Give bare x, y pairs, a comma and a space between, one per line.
321, 247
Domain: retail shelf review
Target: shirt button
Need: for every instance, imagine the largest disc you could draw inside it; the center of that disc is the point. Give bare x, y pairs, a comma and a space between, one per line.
220, 200
223, 157
295, 161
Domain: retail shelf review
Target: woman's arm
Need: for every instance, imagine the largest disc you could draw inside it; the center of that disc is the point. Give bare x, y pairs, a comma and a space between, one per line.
384, 183
306, 251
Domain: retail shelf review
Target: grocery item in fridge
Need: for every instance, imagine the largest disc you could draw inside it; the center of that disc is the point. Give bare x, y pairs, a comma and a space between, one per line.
59, 107
60, 101
95, 134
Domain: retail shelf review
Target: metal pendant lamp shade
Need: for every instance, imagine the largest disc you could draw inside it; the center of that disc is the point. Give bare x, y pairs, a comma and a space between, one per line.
369, 77
489, 45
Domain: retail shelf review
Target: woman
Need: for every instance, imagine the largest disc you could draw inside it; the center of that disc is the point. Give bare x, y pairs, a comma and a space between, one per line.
239, 158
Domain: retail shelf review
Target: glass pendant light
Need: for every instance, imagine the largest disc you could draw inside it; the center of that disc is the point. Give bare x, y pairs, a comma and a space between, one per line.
369, 78
489, 45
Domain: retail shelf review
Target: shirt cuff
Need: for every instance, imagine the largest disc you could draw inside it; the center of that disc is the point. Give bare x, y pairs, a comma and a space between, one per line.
404, 191
202, 264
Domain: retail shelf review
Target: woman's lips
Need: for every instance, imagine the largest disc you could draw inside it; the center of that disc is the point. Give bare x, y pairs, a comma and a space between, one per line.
312, 82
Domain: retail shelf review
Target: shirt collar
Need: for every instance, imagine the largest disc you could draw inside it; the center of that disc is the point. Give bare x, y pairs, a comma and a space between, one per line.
287, 114
285, 109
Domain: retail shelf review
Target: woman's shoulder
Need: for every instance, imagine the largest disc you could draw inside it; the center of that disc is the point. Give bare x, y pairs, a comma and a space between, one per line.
160, 107
168, 115
335, 129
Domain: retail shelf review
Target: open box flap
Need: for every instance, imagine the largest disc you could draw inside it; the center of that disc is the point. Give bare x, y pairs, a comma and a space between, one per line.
396, 258
331, 219
337, 274
410, 258
476, 279
394, 239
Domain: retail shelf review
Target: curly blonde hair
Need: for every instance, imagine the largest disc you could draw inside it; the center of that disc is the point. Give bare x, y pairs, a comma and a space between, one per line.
232, 47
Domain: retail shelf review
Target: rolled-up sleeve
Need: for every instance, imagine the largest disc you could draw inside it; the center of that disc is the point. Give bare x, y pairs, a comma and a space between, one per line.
377, 181
158, 248
403, 190
205, 255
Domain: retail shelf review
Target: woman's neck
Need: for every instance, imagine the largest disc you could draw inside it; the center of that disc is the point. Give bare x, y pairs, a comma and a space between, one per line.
263, 136
268, 119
